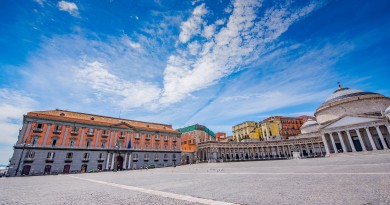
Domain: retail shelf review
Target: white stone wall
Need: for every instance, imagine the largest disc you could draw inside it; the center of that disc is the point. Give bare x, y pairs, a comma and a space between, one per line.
352, 107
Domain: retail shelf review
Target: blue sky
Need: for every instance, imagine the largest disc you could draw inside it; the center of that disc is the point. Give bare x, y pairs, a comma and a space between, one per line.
216, 63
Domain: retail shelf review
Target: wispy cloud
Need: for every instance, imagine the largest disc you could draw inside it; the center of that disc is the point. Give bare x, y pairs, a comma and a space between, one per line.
69, 7
229, 49
193, 25
13, 105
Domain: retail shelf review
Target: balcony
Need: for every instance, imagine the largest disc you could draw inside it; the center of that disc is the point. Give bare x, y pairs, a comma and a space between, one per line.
68, 160
37, 129
74, 133
104, 135
49, 160
28, 160
90, 134
174, 140
57, 131
155, 159
85, 160
135, 159
100, 159
157, 139
136, 137
122, 136
165, 159
146, 159
147, 138
166, 139
174, 159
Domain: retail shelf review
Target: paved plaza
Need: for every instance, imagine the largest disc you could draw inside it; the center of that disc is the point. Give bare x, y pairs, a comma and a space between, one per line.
361, 178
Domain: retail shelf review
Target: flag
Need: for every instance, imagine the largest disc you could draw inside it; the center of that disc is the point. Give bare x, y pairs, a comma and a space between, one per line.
129, 144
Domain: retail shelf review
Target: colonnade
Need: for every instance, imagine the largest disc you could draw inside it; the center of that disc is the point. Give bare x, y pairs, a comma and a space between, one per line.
358, 139
217, 152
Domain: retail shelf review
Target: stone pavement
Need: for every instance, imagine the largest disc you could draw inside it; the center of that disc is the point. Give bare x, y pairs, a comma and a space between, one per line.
343, 179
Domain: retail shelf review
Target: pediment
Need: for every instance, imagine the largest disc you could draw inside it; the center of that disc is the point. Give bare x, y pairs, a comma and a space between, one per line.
123, 125
351, 120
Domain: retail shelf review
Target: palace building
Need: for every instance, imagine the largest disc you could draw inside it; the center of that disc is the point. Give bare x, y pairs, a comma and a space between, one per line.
348, 121
191, 136
60, 141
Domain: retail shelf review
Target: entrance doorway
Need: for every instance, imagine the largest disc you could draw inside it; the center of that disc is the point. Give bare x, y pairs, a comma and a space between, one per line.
47, 169
66, 169
26, 170
119, 163
188, 160
83, 168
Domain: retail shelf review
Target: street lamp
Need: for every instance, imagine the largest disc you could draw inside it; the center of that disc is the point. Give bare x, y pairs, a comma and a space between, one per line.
17, 168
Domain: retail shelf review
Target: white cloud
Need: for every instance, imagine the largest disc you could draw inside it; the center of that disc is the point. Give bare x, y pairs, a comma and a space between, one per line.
123, 93
229, 50
40, 2
13, 105
192, 26
69, 7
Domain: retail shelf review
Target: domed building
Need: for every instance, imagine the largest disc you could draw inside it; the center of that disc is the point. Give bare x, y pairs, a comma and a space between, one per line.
353, 120
310, 126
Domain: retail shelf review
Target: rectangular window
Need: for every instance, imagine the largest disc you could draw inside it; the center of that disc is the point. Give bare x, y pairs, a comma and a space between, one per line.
39, 125
50, 155
72, 142
103, 145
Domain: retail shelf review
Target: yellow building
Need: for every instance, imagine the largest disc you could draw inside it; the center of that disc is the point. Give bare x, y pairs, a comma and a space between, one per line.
270, 128
246, 130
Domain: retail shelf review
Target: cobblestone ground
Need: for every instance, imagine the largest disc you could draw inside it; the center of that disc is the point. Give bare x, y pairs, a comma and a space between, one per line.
344, 179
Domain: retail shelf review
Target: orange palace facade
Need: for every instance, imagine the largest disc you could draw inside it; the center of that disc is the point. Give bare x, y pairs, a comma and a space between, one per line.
59, 141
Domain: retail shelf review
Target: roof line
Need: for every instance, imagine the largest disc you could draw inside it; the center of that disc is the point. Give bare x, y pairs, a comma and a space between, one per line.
108, 117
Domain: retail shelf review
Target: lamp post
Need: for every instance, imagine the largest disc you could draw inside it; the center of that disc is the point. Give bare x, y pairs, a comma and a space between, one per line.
20, 160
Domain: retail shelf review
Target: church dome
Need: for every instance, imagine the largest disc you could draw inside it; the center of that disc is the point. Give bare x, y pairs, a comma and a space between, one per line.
309, 126
343, 93
345, 101
387, 111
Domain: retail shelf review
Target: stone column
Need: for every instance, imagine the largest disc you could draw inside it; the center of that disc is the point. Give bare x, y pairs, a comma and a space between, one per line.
22, 132
97, 138
124, 162
65, 135
82, 137
46, 134
360, 140
326, 145
129, 164
342, 142
381, 137
107, 161
370, 138
112, 161
333, 143
300, 150
350, 141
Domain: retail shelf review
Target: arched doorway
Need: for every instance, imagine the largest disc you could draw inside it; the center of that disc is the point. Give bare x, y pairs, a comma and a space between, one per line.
119, 163
83, 168
26, 170
66, 169
47, 169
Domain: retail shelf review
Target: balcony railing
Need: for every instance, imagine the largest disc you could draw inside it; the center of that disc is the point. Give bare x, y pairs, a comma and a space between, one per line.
57, 131
105, 135
37, 129
28, 159
147, 138
155, 159
49, 160
166, 139
135, 159
174, 140
67, 160
136, 137
85, 160
74, 133
122, 136
100, 159
165, 159
146, 159
157, 139
90, 134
